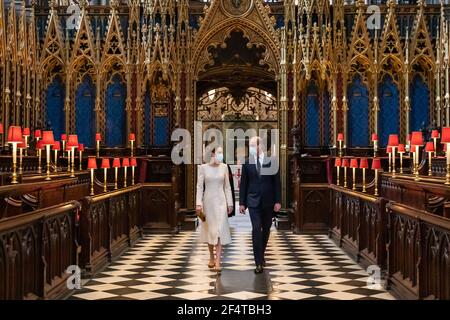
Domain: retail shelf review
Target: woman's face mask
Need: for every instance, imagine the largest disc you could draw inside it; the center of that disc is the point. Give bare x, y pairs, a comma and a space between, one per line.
219, 157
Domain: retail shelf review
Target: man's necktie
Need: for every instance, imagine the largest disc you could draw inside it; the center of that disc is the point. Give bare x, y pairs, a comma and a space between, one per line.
258, 166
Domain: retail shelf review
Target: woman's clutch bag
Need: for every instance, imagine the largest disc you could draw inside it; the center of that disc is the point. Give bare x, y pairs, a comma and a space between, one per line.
201, 215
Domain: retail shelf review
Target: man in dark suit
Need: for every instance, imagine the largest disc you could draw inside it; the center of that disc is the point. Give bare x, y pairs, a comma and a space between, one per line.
260, 192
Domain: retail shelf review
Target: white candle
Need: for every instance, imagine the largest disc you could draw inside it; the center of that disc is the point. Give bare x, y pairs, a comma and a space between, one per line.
448, 153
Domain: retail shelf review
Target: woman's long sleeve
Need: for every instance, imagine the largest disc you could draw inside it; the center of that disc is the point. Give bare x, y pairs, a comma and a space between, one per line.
200, 186
227, 189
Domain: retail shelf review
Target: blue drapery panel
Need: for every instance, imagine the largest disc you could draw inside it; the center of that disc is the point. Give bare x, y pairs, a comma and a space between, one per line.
161, 134
420, 99
55, 107
326, 118
84, 112
389, 118
148, 117
312, 116
358, 114
115, 113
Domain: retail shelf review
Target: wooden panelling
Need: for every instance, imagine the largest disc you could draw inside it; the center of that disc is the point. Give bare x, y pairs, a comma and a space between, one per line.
109, 223
35, 251
358, 224
418, 253
159, 207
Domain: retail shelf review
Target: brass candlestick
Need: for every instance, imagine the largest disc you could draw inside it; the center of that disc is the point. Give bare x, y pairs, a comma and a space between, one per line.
447, 176
430, 172
81, 160
435, 147
98, 148
354, 179
63, 147
345, 177
68, 161
92, 182
14, 154
393, 161
26, 145
116, 171
132, 176
364, 180
47, 150
72, 170
20, 161
340, 149
125, 177
39, 161
131, 148
416, 164
376, 183
401, 162
56, 160
105, 189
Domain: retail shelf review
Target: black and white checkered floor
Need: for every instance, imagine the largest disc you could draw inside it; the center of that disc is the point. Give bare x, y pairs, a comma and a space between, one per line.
175, 267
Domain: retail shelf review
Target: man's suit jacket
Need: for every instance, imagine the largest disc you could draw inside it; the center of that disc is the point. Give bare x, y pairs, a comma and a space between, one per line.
259, 190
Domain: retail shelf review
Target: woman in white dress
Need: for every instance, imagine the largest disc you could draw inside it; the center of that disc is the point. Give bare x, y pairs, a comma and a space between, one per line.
215, 199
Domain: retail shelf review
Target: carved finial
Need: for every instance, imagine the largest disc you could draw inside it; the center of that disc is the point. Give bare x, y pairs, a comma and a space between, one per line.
114, 4
420, 3
359, 4
83, 4
53, 4
391, 4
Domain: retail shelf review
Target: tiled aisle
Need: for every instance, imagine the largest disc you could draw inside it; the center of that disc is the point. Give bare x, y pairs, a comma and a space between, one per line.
174, 267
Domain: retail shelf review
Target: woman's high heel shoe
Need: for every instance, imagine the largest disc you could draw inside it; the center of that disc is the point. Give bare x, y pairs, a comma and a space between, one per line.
211, 264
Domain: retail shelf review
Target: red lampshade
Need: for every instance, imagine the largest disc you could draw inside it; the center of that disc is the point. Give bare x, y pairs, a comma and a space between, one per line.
374, 137
429, 147
57, 145
435, 134
116, 163
47, 138
81, 147
98, 137
340, 137
40, 145
401, 148
376, 164
22, 145
26, 132
445, 135
363, 163
417, 138
413, 148
354, 163
393, 140
68, 148
1, 128
92, 163
64, 137
125, 162
132, 137
105, 163
14, 134
37, 134
73, 141
337, 162
389, 149
345, 162
133, 162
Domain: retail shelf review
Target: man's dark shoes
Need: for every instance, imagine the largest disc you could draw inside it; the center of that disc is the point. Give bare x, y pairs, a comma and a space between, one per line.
259, 269
264, 263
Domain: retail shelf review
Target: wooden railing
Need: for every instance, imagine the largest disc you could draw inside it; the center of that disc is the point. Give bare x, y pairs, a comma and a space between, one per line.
418, 253
109, 223
35, 251
358, 224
